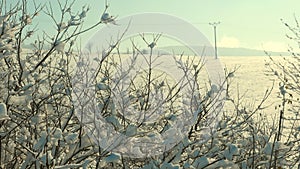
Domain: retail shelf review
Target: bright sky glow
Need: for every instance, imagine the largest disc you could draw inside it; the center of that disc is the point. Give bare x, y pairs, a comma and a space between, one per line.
250, 24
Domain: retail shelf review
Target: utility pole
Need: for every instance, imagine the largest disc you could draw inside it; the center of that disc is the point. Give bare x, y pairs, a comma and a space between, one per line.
215, 24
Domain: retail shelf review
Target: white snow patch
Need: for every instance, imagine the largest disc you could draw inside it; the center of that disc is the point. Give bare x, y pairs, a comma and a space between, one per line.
3, 112
60, 47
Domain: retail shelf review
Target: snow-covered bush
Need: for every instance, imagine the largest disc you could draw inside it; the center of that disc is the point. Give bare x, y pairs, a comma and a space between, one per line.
286, 70
42, 130
39, 127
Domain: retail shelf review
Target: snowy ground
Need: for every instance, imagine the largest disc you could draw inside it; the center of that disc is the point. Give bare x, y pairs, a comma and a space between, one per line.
251, 81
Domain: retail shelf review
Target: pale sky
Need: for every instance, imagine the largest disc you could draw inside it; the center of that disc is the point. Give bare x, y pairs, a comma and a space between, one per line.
247, 23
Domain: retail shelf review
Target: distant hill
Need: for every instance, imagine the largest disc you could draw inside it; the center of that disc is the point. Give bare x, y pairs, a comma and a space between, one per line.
246, 52
186, 51
223, 51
